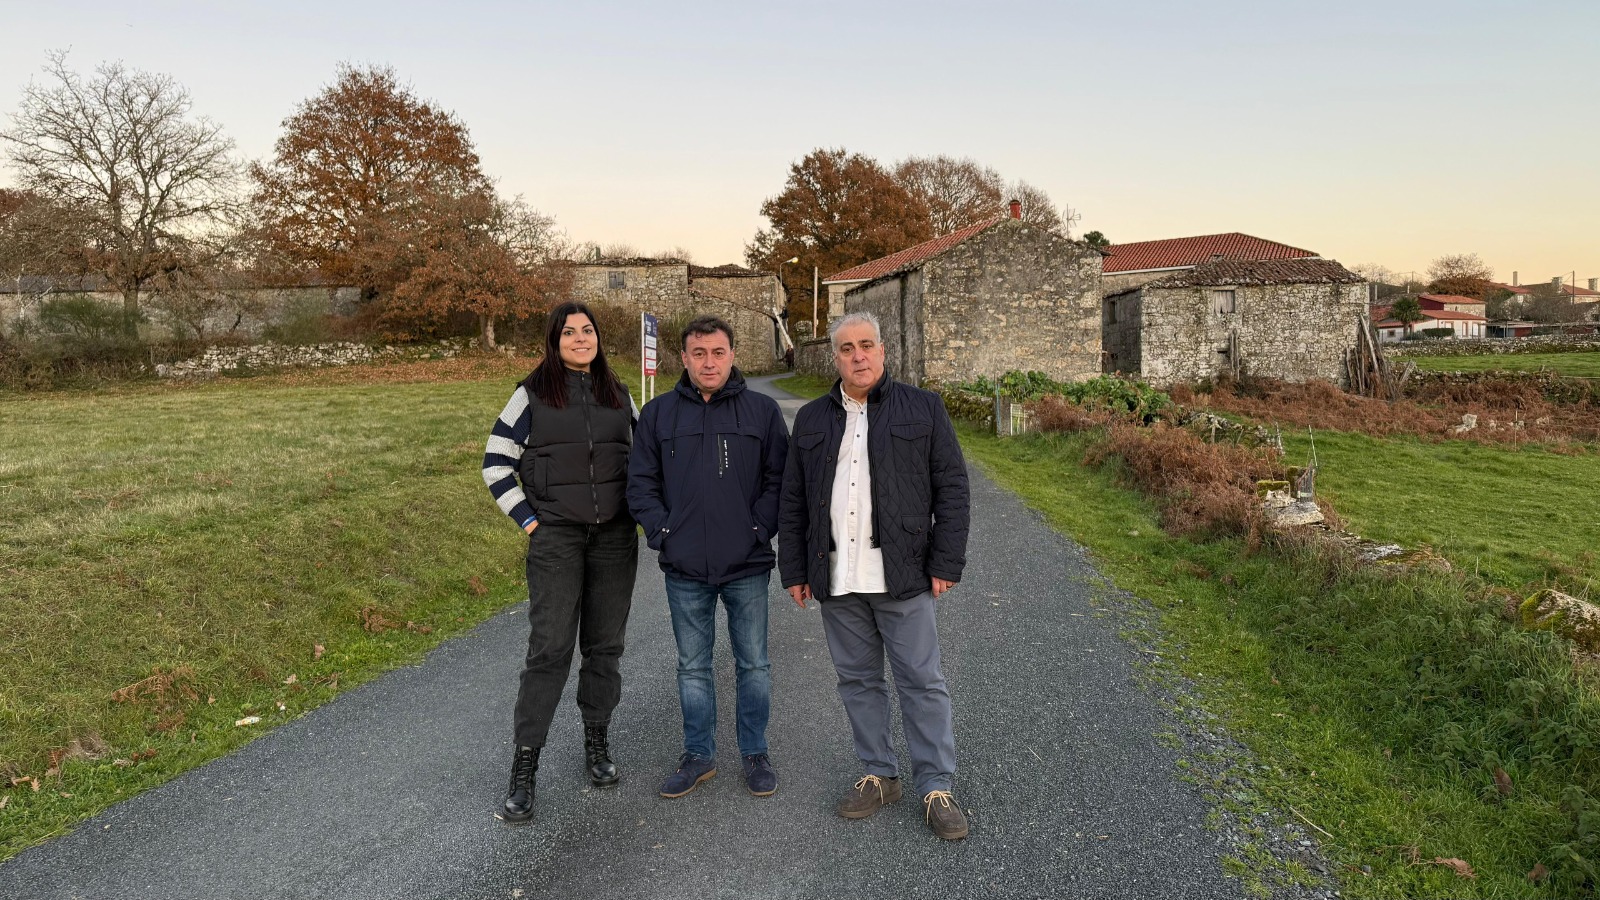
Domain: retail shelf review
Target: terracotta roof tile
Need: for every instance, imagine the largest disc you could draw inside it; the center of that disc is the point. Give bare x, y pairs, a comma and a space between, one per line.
1450, 298
1267, 271
1177, 253
911, 256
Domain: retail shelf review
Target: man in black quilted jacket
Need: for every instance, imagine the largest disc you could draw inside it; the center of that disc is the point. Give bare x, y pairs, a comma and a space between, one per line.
872, 522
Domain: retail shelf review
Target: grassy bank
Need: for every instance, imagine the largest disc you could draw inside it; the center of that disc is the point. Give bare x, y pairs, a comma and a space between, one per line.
1520, 516
175, 560
1380, 706
1585, 364
803, 385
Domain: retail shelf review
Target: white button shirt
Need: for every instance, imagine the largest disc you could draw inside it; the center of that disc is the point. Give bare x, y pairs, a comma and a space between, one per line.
855, 566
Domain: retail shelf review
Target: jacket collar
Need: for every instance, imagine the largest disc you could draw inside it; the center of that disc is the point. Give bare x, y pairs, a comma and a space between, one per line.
734, 385
875, 395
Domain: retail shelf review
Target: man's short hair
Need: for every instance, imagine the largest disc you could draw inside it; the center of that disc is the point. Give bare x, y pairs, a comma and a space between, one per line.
851, 319
705, 325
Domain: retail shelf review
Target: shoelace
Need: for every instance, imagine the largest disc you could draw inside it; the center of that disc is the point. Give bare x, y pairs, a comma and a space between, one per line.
927, 802
522, 769
873, 780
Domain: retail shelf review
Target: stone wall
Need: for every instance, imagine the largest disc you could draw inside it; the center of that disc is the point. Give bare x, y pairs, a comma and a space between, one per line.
667, 292
1119, 331
659, 290
1014, 297
815, 358
1294, 332
237, 313
1538, 343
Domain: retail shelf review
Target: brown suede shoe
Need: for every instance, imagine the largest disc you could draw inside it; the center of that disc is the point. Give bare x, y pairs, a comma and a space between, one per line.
869, 793
944, 815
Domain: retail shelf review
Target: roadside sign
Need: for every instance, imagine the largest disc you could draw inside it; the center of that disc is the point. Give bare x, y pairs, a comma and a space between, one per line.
651, 325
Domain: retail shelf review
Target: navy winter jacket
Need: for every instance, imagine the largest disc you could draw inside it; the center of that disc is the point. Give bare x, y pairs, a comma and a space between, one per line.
920, 499
703, 479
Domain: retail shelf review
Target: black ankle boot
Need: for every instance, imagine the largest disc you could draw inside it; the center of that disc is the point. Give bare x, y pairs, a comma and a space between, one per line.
519, 797
602, 771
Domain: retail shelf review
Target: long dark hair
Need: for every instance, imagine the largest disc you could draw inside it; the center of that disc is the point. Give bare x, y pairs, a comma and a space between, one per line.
548, 380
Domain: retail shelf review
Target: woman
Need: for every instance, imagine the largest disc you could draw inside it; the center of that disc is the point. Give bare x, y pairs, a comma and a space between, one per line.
557, 464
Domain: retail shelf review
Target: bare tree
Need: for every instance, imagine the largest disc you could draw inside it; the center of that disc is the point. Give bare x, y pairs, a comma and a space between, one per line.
121, 150
1458, 266
1040, 210
958, 192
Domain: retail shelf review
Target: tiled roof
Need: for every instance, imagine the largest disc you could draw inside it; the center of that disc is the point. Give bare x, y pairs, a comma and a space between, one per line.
1572, 290
1450, 298
911, 256
1176, 253
1270, 271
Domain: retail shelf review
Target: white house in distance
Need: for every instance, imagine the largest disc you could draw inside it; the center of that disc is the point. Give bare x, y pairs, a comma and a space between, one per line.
1462, 315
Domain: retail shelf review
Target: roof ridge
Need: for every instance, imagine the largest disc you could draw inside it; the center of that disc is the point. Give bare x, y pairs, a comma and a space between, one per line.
877, 268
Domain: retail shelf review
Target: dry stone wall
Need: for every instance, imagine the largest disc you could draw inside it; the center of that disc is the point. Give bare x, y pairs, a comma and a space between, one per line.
1294, 332
1015, 297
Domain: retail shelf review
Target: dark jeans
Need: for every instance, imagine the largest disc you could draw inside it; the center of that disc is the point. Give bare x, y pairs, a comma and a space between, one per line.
694, 620
580, 588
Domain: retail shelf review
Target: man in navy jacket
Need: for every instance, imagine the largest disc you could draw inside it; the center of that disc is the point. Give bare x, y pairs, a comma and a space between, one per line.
703, 481
873, 524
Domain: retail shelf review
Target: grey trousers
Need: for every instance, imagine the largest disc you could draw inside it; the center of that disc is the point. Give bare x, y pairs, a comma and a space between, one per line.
860, 628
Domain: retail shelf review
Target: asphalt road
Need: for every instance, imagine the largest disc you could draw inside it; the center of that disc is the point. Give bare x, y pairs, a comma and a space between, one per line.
390, 790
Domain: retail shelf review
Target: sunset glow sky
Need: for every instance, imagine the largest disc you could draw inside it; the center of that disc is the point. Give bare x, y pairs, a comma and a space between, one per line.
1371, 132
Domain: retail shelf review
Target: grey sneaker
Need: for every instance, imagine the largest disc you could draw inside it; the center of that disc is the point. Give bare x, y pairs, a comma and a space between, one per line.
868, 794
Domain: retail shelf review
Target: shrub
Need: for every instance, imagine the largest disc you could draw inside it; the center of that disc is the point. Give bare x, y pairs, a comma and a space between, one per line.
1438, 332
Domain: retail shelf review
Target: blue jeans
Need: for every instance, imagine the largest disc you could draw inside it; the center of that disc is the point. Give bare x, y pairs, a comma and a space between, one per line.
694, 620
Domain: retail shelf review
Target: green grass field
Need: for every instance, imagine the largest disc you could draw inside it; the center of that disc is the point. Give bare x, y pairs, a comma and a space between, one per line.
803, 385
1584, 364
1520, 517
226, 540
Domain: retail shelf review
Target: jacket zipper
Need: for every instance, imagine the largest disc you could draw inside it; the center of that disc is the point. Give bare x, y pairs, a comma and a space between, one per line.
588, 425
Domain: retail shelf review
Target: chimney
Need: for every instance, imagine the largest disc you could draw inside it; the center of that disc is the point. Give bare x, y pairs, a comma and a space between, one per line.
1514, 280
1556, 282
1016, 209
1594, 284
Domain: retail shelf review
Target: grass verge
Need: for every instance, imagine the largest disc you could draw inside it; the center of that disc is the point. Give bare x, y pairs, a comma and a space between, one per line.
1378, 705
803, 385
1577, 364
175, 559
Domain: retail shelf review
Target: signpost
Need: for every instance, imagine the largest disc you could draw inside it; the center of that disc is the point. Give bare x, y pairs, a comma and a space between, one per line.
648, 346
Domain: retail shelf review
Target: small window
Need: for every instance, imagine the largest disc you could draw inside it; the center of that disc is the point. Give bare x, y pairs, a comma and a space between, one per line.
1111, 312
1224, 301
617, 280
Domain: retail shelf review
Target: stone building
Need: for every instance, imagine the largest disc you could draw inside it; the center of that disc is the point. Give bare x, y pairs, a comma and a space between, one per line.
994, 297
1131, 265
1288, 318
671, 288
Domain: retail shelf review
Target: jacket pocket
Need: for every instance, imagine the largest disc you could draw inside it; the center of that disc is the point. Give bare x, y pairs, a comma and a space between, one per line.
918, 533
911, 447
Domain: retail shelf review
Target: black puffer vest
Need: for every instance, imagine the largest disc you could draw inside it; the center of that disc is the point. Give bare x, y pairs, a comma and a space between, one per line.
575, 469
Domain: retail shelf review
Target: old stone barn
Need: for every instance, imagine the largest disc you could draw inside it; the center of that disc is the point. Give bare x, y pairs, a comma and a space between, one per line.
1284, 318
672, 289
993, 297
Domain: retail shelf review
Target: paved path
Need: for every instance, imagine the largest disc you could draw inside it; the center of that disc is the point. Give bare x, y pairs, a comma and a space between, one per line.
389, 791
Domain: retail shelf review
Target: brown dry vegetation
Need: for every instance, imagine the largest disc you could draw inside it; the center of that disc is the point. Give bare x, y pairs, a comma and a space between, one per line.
1202, 488
1431, 411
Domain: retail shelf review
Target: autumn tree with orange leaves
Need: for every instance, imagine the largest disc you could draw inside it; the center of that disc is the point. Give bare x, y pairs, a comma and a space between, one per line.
836, 210
374, 187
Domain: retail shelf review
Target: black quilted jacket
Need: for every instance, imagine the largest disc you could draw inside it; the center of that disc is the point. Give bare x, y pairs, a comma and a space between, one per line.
919, 490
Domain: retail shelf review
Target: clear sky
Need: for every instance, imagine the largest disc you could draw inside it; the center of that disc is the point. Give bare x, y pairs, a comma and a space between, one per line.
1389, 132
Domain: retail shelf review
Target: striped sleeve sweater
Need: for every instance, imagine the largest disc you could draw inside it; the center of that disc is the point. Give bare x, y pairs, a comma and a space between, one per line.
507, 441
